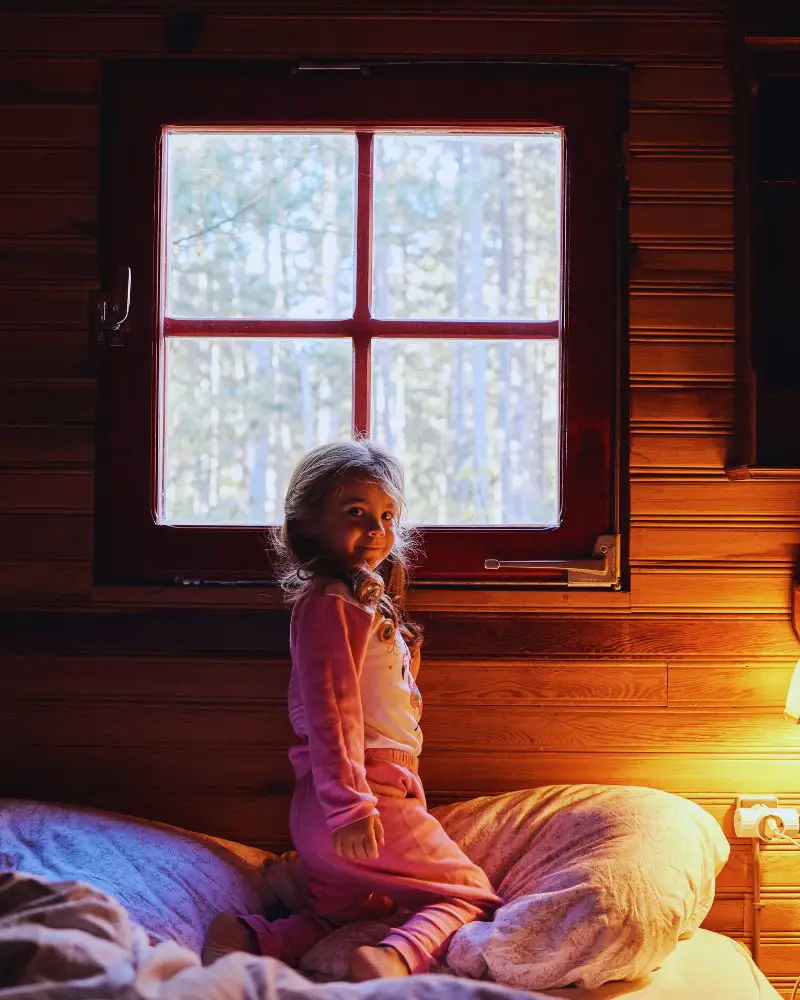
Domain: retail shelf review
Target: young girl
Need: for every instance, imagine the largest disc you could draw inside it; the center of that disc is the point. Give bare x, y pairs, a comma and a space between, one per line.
358, 816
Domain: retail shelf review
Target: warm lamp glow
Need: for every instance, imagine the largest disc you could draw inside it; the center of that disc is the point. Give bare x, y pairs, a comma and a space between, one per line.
792, 710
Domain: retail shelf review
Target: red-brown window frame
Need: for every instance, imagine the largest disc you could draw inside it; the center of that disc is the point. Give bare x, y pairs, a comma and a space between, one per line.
142, 98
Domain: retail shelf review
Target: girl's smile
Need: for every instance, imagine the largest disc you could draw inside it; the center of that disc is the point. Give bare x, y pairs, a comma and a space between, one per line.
358, 522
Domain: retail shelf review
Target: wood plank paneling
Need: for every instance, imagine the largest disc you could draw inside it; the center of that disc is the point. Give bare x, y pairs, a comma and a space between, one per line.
71, 171
544, 683
201, 679
51, 402
681, 220
189, 769
682, 312
52, 214
112, 36
48, 583
727, 915
50, 125
706, 408
678, 129
714, 544
780, 957
46, 445
63, 489
744, 686
46, 356
148, 723
454, 636
63, 261
702, 454
662, 267
780, 867
681, 85
54, 81
665, 588
193, 679
582, 732
251, 724
748, 501
651, 173
47, 536
682, 360
689, 774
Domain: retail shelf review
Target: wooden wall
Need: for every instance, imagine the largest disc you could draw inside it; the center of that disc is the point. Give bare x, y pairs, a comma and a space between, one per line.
170, 703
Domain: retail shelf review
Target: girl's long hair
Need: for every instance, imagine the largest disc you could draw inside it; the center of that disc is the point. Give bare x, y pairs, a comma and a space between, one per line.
301, 559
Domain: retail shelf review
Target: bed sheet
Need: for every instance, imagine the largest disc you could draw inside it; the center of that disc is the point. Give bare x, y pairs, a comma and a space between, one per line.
706, 966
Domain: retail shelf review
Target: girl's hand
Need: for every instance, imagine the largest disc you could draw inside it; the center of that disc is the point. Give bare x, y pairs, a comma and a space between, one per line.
359, 841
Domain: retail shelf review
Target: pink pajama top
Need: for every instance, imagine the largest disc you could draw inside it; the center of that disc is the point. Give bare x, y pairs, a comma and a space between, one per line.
349, 692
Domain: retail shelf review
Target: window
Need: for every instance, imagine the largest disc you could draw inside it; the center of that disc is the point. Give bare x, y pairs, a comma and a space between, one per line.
425, 254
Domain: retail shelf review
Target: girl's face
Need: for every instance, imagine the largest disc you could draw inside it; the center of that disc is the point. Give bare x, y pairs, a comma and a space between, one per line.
357, 523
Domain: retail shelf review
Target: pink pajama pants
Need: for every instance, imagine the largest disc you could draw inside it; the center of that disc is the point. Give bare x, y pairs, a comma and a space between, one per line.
419, 867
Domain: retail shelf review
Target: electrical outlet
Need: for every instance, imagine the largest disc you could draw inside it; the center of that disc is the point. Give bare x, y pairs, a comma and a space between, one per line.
749, 801
761, 817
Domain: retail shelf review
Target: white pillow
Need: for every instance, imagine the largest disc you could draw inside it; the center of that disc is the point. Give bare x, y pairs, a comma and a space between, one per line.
170, 880
599, 882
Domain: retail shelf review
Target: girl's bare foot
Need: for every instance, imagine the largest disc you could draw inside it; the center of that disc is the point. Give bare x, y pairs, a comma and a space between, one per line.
378, 962
227, 933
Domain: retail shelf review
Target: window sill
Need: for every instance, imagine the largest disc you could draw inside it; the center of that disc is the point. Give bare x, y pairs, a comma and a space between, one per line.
472, 599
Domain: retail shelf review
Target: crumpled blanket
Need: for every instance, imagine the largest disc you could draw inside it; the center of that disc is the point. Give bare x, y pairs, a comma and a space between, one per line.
70, 941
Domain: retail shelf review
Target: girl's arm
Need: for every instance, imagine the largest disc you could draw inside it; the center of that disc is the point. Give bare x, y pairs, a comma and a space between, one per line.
330, 638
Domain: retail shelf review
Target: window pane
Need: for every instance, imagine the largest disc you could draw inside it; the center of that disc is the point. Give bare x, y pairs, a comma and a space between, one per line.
260, 225
476, 424
239, 414
467, 226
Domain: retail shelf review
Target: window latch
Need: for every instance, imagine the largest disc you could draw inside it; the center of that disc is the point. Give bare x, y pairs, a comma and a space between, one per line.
329, 68
109, 309
603, 570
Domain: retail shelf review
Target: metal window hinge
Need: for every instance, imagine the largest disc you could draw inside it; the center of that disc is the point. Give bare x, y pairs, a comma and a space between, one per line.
109, 309
603, 570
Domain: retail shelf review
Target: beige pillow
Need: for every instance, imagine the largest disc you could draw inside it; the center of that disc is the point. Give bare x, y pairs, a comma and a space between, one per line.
599, 882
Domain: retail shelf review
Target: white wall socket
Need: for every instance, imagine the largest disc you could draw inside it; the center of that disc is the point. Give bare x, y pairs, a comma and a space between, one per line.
762, 817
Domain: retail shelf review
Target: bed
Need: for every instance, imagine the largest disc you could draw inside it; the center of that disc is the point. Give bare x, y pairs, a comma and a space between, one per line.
605, 888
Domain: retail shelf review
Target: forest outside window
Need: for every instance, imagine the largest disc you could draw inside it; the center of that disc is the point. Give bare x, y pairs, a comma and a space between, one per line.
394, 253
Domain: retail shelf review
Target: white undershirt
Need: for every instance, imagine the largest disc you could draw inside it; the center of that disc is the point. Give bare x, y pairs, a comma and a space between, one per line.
389, 695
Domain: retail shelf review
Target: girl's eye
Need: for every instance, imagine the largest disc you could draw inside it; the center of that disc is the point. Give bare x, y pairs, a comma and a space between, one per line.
389, 515
354, 510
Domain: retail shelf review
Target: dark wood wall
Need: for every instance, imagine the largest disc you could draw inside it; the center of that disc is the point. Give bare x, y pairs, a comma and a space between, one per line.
169, 703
